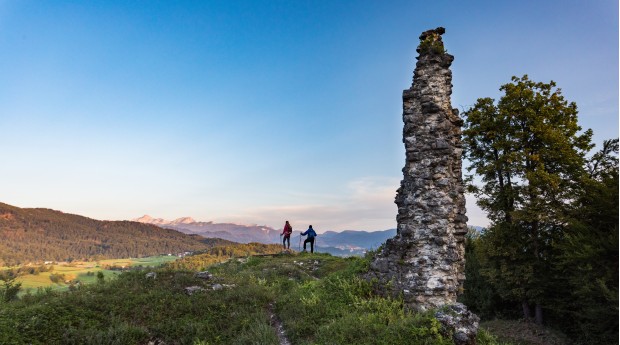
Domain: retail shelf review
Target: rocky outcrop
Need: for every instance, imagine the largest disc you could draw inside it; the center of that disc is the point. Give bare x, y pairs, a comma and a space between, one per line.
425, 261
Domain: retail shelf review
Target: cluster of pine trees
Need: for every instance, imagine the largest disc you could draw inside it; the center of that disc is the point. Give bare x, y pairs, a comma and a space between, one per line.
551, 250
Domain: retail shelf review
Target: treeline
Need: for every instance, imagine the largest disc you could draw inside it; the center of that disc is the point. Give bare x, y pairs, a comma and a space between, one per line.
200, 261
551, 251
38, 235
25, 270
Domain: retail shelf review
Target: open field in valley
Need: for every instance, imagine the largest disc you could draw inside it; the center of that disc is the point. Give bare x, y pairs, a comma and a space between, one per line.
85, 272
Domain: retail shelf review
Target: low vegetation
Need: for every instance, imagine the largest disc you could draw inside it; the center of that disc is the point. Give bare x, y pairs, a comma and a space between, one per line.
318, 298
203, 259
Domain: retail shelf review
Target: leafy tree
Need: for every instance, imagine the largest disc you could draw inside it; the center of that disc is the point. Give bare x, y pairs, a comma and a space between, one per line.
100, 277
529, 155
587, 263
478, 294
9, 288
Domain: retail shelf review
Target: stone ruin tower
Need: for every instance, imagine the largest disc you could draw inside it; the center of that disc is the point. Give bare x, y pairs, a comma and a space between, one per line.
425, 260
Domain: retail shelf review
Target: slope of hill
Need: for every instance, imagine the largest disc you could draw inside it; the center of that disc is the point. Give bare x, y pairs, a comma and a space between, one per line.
280, 299
38, 234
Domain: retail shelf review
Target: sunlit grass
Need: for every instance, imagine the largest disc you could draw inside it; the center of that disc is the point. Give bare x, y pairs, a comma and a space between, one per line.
84, 272
320, 299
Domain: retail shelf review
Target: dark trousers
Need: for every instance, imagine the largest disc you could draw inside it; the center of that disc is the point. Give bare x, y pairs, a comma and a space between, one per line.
311, 240
286, 238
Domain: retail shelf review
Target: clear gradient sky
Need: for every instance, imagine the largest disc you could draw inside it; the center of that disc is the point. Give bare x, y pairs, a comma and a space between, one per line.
261, 111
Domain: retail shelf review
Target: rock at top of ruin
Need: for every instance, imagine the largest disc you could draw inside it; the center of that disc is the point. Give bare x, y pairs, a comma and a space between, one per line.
433, 32
431, 43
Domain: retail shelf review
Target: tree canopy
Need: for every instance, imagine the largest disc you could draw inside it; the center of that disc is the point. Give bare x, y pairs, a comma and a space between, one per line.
553, 208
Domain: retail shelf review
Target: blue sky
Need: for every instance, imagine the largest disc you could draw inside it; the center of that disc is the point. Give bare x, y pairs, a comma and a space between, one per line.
261, 111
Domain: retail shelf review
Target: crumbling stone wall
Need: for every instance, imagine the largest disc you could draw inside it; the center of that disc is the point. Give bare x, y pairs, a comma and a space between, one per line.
425, 260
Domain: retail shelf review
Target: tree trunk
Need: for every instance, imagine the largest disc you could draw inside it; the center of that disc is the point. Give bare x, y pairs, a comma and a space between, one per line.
526, 310
539, 314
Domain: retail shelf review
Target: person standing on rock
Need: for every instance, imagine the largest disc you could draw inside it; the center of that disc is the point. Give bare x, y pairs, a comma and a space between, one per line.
286, 232
311, 235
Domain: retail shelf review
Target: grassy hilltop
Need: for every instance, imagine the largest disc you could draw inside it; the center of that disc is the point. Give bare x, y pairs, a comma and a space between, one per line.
305, 298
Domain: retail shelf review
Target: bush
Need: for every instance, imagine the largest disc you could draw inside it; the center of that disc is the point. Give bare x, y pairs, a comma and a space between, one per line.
9, 288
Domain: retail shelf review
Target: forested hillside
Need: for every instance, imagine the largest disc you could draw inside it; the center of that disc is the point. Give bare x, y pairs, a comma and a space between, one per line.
37, 234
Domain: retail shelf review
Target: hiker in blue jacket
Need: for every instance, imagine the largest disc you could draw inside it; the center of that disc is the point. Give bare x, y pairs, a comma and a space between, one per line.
311, 235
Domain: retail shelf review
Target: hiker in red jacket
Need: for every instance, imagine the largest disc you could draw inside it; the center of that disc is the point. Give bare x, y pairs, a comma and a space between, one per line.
286, 232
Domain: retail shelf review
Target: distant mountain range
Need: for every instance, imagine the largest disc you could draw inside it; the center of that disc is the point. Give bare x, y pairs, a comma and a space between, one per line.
228, 231
349, 242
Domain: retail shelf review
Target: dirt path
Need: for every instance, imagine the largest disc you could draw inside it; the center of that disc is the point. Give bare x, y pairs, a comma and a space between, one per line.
276, 323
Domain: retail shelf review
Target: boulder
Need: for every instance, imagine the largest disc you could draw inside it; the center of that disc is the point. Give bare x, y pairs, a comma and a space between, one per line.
204, 275
190, 290
460, 323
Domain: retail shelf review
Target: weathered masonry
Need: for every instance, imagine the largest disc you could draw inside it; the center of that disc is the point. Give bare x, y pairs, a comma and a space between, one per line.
425, 260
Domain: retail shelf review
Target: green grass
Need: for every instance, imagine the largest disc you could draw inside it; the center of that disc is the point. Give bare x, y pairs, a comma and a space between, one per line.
319, 298
79, 271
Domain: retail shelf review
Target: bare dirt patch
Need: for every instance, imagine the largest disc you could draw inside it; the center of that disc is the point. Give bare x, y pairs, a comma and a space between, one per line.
524, 332
7, 216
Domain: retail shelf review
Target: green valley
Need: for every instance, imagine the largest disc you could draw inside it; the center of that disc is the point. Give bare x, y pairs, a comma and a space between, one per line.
63, 275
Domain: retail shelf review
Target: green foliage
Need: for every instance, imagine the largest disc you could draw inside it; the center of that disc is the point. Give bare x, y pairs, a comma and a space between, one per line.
58, 278
478, 293
553, 240
100, 277
133, 309
432, 43
530, 157
9, 288
588, 255
527, 152
341, 309
27, 270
